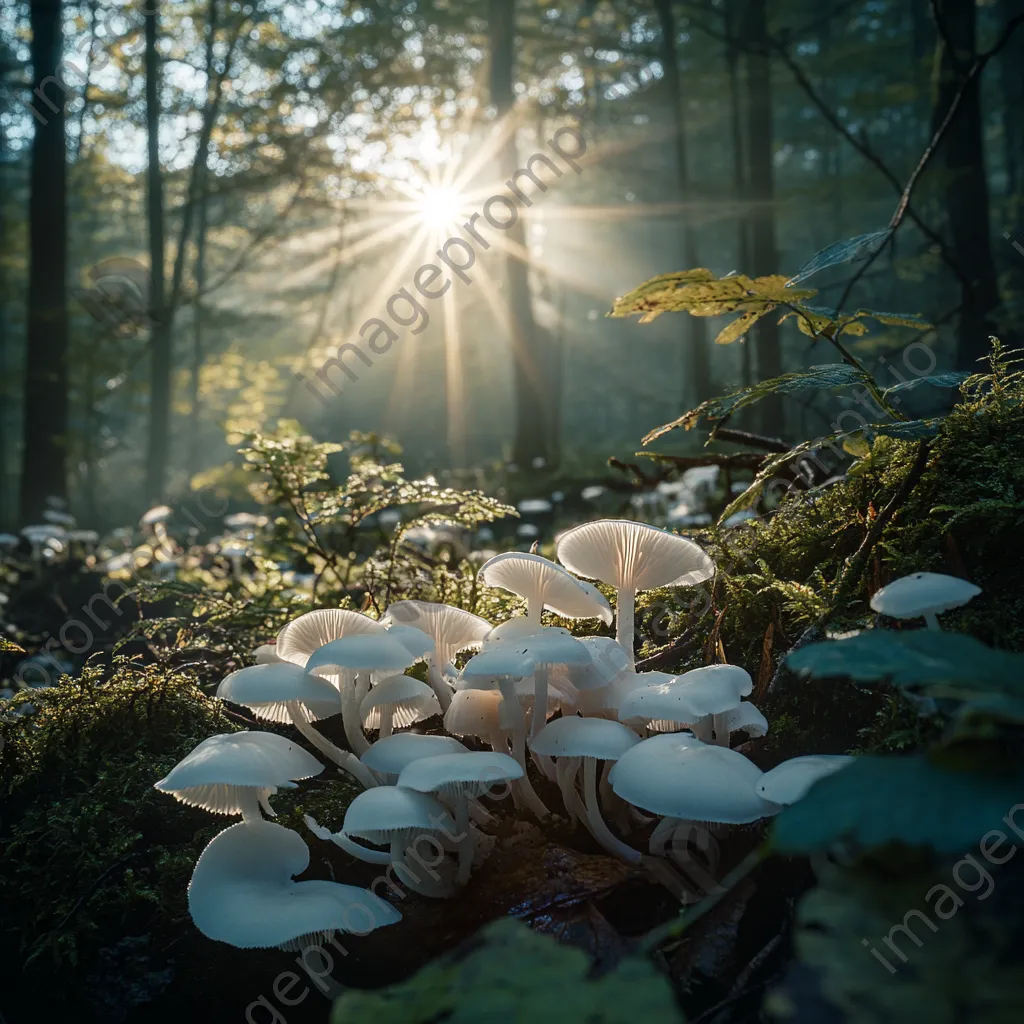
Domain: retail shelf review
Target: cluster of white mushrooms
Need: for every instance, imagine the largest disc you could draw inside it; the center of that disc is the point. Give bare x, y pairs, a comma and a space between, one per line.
617, 742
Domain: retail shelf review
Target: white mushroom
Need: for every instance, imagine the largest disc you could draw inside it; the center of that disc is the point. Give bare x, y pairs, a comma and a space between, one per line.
388, 756
923, 595
266, 654
543, 584
588, 740
397, 702
302, 636
451, 629
454, 779
235, 773
631, 557
282, 692
242, 892
789, 782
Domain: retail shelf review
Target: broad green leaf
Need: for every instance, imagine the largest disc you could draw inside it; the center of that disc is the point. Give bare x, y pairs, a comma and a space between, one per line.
514, 974
910, 800
851, 250
830, 375
913, 659
953, 379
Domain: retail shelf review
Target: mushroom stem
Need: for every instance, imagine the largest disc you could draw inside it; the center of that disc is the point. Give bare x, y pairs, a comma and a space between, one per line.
387, 717
522, 789
466, 844
661, 835
362, 853
249, 803
480, 814
931, 621
438, 685
613, 804
720, 727
350, 714
625, 603
344, 759
702, 729
540, 716
565, 776
534, 607
598, 829
437, 886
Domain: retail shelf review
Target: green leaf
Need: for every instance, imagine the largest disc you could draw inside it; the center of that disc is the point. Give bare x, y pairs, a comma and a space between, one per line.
513, 974
913, 659
911, 800
851, 250
914, 320
953, 379
738, 328
830, 375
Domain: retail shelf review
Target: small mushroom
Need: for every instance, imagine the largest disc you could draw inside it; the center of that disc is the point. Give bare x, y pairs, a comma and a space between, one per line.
543, 584
397, 701
302, 636
235, 773
789, 782
923, 595
243, 893
282, 692
588, 740
477, 713
454, 779
631, 557
388, 756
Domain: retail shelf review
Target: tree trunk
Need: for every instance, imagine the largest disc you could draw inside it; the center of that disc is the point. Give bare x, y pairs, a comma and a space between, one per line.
160, 333
697, 383
532, 409
761, 190
1011, 75
966, 188
45, 419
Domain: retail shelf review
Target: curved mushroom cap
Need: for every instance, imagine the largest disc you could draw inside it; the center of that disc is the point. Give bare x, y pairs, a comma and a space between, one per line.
746, 718
716, 688
680, 777
483, 670
391, 754
553, 646
608, 663
584, 737
362, 652
474, 713
418, 644
790, 781
408, 699
544, 584
629, 681
519, 627
687, 698
211, 775
922, 593
633, 556
266, 654
302, 636
242, 892
451, 629
157, 514
453, 775
379, 813
266, 689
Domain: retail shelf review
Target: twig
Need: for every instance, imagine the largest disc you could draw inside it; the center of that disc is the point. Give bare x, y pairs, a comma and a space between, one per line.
770, 444
668, 654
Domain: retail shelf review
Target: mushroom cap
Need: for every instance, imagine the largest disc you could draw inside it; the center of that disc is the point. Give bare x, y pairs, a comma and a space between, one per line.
474, 713
483, 670
392, 753
608, 663
517, 628
416, 642
539, 580
362, 652
409, 700
679, 777
157, 514
790, 781
266, 689
453, 775
242, 892
622, 686
922, 593
746, 718
584, 737
451, 629
266, 654
711, 690
633, 556
299, 638
378, 813
210, 776
37, 533
553, 646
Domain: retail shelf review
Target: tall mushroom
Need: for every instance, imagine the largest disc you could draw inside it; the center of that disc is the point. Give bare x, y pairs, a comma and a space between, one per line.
282, 692
544, 584
451, 629
631, 557
235, 773
243, 893
923, 595
588, 740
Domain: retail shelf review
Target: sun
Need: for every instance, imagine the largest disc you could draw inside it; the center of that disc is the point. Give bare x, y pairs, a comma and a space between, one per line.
439, 206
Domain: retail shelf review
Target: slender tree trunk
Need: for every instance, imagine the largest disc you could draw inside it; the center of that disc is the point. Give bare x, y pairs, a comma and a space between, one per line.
764, 253
44, 452
532, 409
6, 396
1011, 81
966, 188
697, 384
198, 312
160, 332
739, 178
